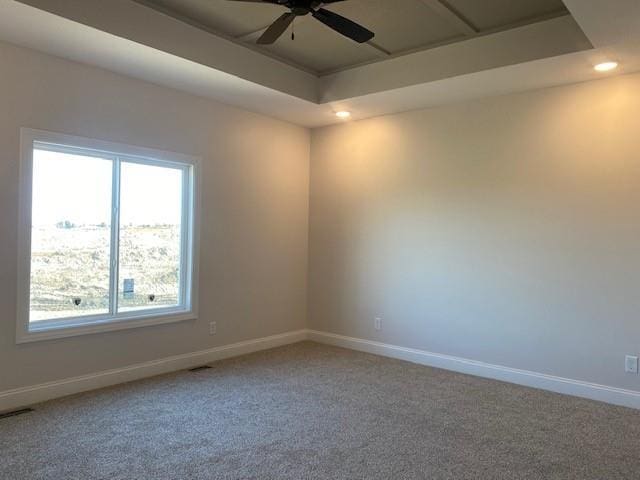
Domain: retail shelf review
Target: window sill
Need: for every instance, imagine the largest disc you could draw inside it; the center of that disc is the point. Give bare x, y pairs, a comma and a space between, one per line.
73, 329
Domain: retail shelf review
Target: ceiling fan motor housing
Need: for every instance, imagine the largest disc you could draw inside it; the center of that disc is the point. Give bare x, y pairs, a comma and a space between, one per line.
299, 8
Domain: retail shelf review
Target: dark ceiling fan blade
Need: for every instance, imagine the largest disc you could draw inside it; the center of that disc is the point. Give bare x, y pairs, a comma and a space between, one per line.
276, 29
343, 25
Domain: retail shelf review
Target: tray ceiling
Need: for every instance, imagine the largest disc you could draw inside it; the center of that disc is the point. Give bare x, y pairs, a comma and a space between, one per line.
401, 26
452, 51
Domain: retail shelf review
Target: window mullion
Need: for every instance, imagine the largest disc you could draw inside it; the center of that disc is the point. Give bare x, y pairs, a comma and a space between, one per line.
115, 238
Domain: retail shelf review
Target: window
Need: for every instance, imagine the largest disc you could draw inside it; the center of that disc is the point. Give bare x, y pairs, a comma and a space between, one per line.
107, 236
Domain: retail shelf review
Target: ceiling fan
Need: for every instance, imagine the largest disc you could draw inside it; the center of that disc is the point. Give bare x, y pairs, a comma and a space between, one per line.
300, 8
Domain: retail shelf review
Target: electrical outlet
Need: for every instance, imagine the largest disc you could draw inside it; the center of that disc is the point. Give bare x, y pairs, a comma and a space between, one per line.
212, 328
377, 323
631, 364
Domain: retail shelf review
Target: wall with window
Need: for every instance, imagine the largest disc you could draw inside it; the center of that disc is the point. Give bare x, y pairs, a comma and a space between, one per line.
253, 229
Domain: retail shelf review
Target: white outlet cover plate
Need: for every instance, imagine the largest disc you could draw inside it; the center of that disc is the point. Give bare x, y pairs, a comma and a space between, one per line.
631, 364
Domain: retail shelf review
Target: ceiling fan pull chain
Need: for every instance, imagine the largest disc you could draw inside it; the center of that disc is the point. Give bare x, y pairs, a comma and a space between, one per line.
293, 29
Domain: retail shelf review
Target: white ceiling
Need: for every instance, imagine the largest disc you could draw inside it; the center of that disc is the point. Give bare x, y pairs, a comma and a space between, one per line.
129, 38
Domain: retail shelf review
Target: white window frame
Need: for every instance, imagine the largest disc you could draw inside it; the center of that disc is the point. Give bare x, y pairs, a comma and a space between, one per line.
73, 326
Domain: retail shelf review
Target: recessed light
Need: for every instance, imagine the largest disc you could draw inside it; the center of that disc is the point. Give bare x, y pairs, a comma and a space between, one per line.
343, 114
605, 66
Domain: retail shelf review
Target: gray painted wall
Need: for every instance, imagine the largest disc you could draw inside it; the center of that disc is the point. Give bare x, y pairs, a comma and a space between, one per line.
504, 230
254, 210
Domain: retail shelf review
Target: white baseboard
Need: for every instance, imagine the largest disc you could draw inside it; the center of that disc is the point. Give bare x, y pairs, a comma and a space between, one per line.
12, 399
20, 397
567, 386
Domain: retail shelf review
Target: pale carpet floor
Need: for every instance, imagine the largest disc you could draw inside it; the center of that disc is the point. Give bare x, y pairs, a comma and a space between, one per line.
309, 411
